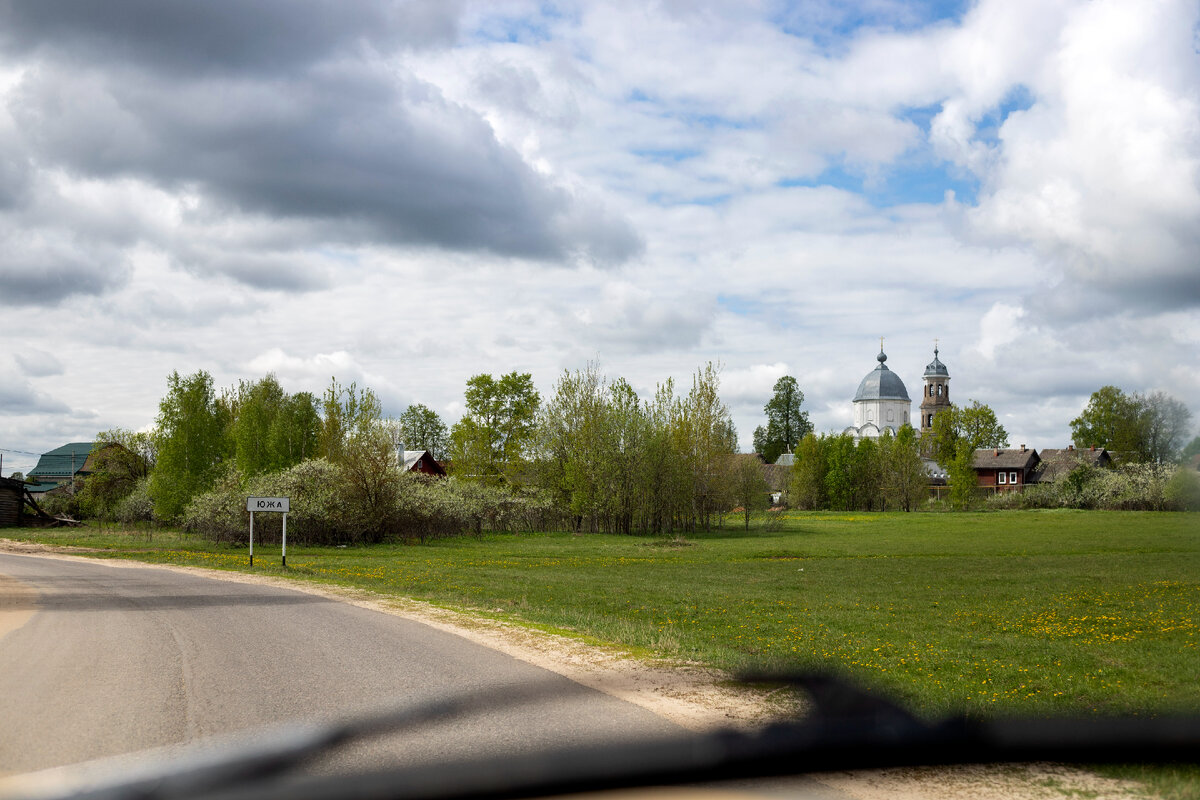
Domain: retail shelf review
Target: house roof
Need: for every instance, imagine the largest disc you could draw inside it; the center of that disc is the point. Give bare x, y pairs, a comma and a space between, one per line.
409, 459
62, 461
992, 458
1057, 462
777, 476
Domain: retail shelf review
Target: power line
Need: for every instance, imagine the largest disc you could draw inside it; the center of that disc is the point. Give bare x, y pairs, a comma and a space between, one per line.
22, 452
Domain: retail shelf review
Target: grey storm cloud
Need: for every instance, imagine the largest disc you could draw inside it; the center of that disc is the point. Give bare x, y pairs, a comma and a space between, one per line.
222, 36
18, 397
290, 117
44, 271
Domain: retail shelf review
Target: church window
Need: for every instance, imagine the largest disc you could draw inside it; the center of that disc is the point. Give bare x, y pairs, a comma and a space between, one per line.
891, 415
870, 414
939, 390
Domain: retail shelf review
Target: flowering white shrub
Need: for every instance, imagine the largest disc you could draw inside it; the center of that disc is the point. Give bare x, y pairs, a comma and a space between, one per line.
1130, 487
137, 506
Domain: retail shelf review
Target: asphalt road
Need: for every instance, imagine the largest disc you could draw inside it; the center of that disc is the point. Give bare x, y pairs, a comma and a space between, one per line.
118, 659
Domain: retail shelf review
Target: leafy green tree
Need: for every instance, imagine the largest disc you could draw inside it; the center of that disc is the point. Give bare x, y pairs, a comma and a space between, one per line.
190, 443
975, 424
629, 432
786, 423
120, 458
1139, 427
750, 489
702, 430
666, 487
1112, 420
906, 484
270, 430
294, 433
868, 475
346, 411
1192, 448
839, 475
807, 488
960, 473
1166, 423
423, 429
371, 480
253, 407
494, 437
577, 446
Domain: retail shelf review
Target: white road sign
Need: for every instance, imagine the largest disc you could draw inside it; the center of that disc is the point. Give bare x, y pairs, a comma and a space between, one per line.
268, 504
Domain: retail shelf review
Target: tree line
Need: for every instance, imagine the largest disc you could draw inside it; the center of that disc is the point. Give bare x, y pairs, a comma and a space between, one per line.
593, 457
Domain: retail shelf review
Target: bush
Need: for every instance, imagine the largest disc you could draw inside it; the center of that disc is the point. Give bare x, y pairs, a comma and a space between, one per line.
332, 505
318, 511
220, 513
1130, 487
1183, 490
137, 506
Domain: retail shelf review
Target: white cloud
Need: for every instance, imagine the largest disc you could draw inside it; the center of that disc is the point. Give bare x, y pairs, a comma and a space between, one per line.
1000, 325
687, 139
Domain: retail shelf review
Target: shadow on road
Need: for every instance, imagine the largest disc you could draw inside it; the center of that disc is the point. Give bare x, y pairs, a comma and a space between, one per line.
83, 594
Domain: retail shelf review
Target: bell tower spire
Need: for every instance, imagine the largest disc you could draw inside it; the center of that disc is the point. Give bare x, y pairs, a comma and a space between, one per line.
936, 395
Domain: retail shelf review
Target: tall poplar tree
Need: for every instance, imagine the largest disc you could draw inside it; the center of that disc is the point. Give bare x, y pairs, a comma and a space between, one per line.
191, 442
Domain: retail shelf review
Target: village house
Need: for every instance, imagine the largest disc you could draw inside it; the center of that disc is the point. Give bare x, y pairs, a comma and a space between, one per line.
1005, 469
420, 461
1058, 463
61, 465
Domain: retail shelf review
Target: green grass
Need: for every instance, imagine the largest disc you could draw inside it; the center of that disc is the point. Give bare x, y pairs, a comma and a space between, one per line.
994, 613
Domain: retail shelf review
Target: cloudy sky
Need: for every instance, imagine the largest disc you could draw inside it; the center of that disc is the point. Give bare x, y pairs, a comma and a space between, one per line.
405, 194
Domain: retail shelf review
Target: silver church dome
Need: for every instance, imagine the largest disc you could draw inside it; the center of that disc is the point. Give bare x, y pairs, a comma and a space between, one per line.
881, 384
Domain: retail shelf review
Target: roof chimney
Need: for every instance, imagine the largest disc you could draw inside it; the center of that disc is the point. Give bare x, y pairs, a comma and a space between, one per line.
1022, 448
996, 452
1093, 448
1070, 448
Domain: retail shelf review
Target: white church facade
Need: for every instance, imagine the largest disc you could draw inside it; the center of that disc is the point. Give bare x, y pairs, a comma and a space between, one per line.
882, 402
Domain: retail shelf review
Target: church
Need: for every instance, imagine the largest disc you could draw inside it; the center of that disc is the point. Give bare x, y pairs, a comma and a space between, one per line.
882, 402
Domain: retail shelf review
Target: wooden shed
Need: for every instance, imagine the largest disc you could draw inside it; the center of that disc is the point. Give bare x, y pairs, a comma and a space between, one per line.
12, 497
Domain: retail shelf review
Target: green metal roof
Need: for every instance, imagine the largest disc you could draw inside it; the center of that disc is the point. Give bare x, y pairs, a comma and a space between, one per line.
60, 460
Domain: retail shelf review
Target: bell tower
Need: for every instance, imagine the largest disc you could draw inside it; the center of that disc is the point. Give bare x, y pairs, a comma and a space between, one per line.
936, 395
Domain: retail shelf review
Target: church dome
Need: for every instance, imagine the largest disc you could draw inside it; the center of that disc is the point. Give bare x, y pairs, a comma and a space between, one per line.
881, 384
935, 368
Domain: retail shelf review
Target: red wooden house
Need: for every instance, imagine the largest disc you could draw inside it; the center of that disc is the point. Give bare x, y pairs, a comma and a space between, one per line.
1005, 470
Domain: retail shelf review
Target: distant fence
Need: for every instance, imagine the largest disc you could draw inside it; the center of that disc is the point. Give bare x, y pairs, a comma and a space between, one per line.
940, 493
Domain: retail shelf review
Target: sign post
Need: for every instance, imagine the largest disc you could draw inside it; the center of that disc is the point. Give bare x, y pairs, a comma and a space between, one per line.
278, 505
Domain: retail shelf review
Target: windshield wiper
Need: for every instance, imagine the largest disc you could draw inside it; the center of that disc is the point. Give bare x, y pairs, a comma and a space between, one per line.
847, 729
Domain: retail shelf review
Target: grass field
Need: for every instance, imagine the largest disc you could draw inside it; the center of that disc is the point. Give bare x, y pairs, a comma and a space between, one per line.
1015, 612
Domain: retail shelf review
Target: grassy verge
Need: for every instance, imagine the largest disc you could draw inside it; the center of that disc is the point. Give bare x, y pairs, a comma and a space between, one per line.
1018, 612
